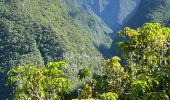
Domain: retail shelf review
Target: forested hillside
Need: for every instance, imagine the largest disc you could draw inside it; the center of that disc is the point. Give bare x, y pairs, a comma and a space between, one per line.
147, 11
39, 31
144, 76
92, 24
151, 11
114, 13
58, 49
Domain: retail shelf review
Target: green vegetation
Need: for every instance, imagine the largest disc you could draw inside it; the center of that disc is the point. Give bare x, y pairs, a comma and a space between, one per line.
40, 31
151, 11
98, 33
109, 96
34, 29
34, 83
145, 74
154, 11
84, 73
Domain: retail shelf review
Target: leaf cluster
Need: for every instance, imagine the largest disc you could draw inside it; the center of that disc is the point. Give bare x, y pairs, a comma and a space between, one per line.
38, 83
145, 74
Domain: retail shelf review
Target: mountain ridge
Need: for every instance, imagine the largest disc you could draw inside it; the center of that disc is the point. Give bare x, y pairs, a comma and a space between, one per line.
97, 31
114, 13
38, 32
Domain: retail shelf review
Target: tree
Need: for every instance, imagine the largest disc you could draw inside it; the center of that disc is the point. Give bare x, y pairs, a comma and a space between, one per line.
146, 71
145, 74
145, 48
109, 96
85, 92
146, 54
111, 82
84, 73
39, 83
115, 75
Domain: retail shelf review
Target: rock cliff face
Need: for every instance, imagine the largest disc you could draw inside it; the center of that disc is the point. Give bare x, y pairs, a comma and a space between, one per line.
114, 13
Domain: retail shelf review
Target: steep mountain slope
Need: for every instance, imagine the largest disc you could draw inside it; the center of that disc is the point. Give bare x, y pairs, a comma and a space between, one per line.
114, 13
148, 11
39, 31
92, 24
151, 11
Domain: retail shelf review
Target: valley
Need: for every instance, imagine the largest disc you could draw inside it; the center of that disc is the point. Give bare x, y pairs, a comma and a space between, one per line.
82, 33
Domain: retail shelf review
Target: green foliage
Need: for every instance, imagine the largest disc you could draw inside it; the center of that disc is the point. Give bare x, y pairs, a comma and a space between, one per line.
146, 49
84, 73
151, 11
156, 96
111, 81
35, 31
146, 71
114, 76
85, 92
112, 66
97, 32
34, 82
140, 85
109, 96
146, 55
38, 32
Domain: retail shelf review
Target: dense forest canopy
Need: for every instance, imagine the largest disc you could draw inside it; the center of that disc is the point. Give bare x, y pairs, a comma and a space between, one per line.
151, 11
71, 49
145, 75
38, 32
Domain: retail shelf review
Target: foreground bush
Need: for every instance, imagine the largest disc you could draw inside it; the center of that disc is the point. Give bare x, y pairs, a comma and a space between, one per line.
146, 71
39, 83
145, 74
